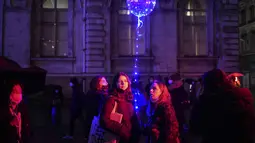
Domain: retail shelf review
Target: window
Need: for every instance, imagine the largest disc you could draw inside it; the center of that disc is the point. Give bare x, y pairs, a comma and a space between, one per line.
243, 44
251, 41
54, 28
194, 39
246, 80
252, 12
127, 24
243, 17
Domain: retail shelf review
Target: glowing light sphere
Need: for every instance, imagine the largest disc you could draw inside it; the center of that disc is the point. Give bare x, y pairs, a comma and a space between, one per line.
141, 8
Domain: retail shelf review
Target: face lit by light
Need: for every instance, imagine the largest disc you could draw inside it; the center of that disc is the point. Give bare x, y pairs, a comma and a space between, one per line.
16, 95
122, 83
103, 82
155, 91
236, 78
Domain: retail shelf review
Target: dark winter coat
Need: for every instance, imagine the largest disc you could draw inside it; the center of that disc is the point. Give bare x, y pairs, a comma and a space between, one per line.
224, 116
78, 99
8, 132
180, 102
128, 129
94, 102
163, 126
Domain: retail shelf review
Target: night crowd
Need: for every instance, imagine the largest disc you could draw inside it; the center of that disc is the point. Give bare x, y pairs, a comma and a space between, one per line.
219, 110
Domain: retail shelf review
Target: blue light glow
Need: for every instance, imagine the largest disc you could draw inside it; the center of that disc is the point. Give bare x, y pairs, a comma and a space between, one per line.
139, 8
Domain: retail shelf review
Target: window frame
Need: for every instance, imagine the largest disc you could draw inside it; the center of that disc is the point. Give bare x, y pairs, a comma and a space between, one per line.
38, 53
117, 22
209, 25
243, 16
252, 12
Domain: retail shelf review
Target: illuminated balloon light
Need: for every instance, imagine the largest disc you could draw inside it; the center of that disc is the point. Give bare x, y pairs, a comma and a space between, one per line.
141, 8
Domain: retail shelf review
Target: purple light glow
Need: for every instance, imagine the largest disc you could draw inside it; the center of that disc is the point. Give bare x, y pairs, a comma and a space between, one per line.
141, 8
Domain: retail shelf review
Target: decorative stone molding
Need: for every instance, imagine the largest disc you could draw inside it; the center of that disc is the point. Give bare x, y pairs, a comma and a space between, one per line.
168, 4
78, 4
108, 3
24, 4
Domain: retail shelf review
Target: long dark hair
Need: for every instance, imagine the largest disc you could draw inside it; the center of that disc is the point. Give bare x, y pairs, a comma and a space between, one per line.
165, 95
115, 89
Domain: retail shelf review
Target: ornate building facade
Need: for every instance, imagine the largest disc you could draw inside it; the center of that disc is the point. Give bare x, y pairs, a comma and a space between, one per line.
247, 41
85, 38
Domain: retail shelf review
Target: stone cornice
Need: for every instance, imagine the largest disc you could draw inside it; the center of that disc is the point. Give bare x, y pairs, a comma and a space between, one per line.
18, 4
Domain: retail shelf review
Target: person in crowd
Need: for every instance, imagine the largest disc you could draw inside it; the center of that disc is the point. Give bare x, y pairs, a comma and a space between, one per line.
77, 106
163, 125
180, 100
224, 113
57, 104
234, 79
140, 100
95, 99
14, 115
147, 87
139, 94
129, 128
200, 89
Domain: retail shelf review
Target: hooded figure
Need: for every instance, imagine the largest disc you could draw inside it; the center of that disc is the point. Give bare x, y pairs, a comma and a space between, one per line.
223, 113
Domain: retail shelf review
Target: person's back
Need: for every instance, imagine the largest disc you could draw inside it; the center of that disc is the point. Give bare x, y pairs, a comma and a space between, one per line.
226, 116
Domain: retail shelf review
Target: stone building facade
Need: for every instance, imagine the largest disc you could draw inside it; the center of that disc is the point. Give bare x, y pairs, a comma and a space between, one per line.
247, 41
85, 38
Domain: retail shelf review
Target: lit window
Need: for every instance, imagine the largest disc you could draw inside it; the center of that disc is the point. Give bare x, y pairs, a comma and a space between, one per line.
53, 25
127, 33
194, 39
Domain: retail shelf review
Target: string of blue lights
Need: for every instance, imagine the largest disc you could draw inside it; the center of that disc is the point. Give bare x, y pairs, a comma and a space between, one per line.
139, 8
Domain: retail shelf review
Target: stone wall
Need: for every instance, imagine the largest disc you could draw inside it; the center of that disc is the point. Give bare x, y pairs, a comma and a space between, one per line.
17, 35
227, 38
91, 42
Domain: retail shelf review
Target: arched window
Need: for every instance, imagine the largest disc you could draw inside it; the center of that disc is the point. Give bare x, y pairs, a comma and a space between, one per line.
51, 30
193, 29
126, 35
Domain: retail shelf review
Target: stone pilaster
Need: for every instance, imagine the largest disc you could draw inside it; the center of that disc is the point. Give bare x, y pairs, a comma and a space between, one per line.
227, 39
17, 21
95, 36
1, 26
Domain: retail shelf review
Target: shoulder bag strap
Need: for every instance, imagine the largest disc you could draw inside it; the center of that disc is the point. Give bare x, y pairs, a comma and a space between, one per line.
115, 107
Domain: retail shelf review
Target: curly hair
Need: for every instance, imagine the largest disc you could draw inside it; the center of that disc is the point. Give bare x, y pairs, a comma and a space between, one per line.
94, 84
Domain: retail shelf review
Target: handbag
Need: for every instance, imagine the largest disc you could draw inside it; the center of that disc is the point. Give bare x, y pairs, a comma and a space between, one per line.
98, 134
